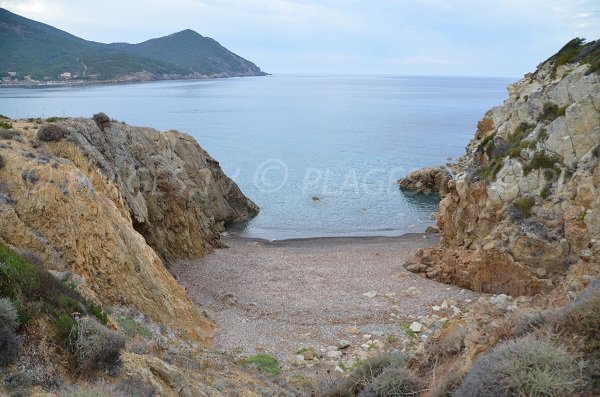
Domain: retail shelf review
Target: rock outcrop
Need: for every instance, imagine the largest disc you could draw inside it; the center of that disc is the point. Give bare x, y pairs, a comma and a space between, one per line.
525, 205
101, 204
426, 180
176, 194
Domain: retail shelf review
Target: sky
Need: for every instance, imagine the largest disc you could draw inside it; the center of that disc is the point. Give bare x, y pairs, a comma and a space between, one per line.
503, 38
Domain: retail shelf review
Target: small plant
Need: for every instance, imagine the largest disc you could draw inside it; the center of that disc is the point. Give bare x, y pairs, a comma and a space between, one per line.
410, 335
2, 163
551, 112
485, 141
545, 192
542, 160
5, 125
397, 382
52, 133
9, 134
524, 205
132, 328
96, 311
96, 346
65, 330
30, 176
102, 120
264, 363
524, 367
484, 126
10, 343
365, 373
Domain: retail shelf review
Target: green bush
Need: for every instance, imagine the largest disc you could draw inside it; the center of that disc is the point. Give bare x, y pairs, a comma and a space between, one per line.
96, 311
102, 120
524, 205
524, 367
397, 382
551, 112
2, 163
5, 125
52, 132
97, 347
132, 328
543, 160
65, 330
264, 363
55, 119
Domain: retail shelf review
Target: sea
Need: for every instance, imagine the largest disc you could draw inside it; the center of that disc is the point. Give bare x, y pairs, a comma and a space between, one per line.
319, 154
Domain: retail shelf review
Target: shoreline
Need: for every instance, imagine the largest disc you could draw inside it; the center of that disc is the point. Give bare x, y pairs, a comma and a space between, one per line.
333, 240
81, 83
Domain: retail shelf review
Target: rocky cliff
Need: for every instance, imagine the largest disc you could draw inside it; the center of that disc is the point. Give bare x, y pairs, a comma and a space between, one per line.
524, 207
107, 201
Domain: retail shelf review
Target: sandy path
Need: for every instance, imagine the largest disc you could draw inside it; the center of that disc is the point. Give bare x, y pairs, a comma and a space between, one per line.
281, 296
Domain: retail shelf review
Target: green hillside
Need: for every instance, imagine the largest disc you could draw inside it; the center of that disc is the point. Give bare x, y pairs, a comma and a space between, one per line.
193, 52
31, 48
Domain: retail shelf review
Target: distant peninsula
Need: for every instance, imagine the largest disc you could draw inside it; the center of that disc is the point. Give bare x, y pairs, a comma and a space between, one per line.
34, 53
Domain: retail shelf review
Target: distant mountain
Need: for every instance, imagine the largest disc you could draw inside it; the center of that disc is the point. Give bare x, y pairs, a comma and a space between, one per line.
43, 52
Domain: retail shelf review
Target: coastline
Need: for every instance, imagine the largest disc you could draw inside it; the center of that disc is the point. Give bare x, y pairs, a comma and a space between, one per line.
84, 83
333, 240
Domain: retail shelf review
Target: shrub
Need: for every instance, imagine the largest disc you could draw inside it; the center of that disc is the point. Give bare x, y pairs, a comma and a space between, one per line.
364, 375
9, 134
30, 176
484, 126
551, 111
102, 120
264, 363
55, 119
132, 328
65, 330
8, 313
135, 387
2, 163
96, 311
10, 343
96, 346
524, 367
524, 205
52, 132
542, 160
397, 382
5, 125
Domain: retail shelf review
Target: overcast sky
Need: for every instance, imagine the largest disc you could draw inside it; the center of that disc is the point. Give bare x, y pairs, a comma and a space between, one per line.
441, 37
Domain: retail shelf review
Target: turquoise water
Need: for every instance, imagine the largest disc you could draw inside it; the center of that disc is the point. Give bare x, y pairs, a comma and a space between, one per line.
319, 154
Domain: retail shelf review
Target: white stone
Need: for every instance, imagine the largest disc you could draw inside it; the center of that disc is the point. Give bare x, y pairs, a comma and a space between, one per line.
436, 308
416, 327
370, 294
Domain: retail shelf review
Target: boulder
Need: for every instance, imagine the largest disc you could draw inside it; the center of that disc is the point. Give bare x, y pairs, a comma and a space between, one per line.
426, 180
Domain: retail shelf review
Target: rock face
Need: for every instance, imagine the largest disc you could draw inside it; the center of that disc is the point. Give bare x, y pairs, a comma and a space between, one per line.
525, 205
176, 194
81, 202
426, 180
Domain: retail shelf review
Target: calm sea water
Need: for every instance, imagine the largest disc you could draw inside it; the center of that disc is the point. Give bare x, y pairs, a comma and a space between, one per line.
319, 154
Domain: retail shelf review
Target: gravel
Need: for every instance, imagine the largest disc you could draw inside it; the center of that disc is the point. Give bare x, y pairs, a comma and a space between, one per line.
280, 296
